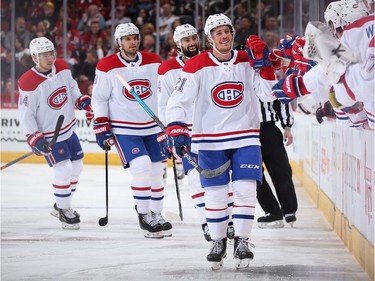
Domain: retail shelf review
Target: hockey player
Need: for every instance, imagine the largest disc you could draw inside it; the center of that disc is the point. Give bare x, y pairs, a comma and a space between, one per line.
120, 120
187, 42
336, 72
47, 91
223, 85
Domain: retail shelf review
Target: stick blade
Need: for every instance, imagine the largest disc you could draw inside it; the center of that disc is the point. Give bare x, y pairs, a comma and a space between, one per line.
215, 172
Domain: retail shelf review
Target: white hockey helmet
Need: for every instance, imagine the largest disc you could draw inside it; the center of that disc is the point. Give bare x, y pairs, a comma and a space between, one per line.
216, 20
333, 14
40, 45
183, 31
351, 12
126, 29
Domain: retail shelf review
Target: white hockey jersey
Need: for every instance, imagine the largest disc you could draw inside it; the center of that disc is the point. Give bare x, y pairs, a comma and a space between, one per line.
44, 98
226, 101
168, 75
358, 80
111, 99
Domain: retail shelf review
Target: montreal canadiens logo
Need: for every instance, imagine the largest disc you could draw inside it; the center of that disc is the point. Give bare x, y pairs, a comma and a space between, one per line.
58, 98
141, 87
227, 94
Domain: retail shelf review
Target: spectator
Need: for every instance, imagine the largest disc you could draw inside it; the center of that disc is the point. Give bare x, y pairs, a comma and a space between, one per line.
6, 67
87, 72
246, 28
148, 43
119, 17
271, 38
22, 53
89, 38
6, 95
48, 17
92, 14
142, 18
147, 28
21, 31
271, 24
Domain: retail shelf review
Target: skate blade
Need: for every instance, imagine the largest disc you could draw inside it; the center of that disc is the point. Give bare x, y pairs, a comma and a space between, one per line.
291, 224
155, 235
167, 233
73, 226
55, 213
274, 224
216, 265
242, 263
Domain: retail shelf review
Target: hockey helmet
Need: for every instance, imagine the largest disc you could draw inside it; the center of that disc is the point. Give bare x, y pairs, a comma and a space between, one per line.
351, 12
183, 31
40, 45
126, 29
333, 14
216, 20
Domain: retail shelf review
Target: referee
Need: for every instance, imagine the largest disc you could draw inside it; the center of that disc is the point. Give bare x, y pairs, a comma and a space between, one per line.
275, 159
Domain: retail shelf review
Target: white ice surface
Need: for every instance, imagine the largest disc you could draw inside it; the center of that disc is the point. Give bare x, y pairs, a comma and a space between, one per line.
34, 247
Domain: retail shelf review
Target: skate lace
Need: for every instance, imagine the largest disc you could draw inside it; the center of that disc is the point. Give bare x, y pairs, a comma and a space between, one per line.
69, 213
217, 247
149, 219
244, 246
158, 217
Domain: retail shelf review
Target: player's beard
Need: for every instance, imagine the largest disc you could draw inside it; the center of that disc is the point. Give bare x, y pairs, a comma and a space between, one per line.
190, 54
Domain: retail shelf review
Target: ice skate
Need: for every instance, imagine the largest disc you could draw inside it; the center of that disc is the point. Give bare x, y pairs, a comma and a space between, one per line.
271, 221
242, 252
68, 219
290, 218
217, 253
55, 212
151, 228
167, 226
206, 232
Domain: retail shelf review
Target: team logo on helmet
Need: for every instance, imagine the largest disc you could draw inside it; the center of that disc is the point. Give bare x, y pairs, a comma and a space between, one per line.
141, 87
58, 98
227, 94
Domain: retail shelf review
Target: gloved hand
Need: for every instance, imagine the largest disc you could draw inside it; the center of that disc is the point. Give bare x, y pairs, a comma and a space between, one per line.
181, 138
278, 61
164, 143
286, 46
257, 52
289, 88
104, 136
84, 103
39, 144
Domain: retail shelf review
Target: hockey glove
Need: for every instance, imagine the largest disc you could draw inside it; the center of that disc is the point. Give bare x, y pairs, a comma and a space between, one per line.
164, 142
257, 52
289, 88
181, 137
278, 61
286, 46
84, 103
39, 144
104, 136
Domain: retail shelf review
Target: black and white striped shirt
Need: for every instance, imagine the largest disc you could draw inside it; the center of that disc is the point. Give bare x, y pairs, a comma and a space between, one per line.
275, 111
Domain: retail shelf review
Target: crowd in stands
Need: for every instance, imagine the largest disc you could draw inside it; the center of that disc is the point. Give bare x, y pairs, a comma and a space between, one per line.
89, 28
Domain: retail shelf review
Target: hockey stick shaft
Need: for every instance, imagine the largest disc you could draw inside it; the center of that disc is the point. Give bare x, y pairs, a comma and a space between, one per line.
59, 123
192, 161
104, 221
177, 189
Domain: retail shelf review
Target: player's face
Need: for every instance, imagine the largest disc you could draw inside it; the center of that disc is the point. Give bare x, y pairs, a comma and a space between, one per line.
46, 61
190, 45
130, 45
222, 38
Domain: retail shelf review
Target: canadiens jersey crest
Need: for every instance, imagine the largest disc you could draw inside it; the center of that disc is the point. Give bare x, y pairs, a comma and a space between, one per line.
141, 86
58, 98
228, 94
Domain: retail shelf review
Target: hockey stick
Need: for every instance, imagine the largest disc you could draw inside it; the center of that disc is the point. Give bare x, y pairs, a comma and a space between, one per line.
59, 123
177, 188
104, 221
204, 172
